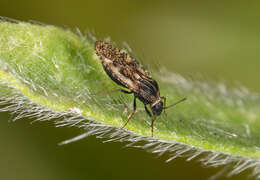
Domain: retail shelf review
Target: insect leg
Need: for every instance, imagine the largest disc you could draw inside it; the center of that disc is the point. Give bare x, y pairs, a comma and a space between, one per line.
127, 92
150, 115
113, 91
164, 104
147, 111
132, 113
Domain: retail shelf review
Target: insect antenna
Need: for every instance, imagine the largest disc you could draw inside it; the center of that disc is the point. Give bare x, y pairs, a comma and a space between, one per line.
175, 103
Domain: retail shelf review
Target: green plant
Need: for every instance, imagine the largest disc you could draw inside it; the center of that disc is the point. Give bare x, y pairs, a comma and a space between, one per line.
48, 72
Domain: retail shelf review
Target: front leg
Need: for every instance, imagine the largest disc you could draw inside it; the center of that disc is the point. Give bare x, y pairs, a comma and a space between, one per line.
132, 113
150, 115
164, 104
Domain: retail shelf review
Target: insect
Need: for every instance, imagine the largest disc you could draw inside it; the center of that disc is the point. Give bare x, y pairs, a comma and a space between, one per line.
128, 73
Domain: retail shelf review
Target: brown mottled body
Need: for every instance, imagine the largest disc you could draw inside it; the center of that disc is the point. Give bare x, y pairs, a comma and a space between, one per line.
127, 72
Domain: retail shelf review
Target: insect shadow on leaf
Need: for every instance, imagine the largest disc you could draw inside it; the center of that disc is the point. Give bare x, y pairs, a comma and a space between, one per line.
128, 73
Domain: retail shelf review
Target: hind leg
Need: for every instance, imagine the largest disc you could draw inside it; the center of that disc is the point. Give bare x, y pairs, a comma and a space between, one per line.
112, 91
132, 113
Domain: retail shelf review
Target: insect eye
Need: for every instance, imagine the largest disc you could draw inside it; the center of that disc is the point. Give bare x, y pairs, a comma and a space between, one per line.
157, 108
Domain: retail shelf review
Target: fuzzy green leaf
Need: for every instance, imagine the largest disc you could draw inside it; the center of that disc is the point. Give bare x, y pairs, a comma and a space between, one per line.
48, 72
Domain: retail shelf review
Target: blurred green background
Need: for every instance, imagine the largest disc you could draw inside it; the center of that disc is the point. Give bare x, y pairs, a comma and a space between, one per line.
206, 40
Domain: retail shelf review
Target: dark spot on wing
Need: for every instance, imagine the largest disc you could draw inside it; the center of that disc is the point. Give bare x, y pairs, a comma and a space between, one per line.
150, 87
